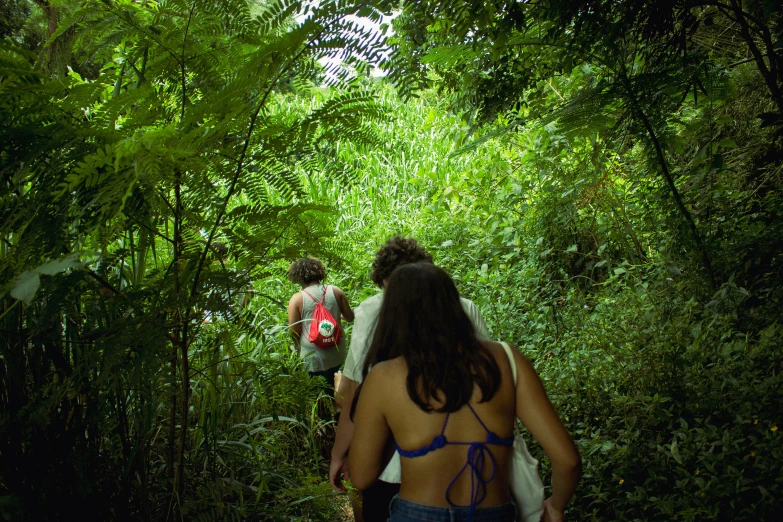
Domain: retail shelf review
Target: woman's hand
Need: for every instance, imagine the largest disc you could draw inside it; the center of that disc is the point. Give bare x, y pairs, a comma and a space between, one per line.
551, 514
338, 471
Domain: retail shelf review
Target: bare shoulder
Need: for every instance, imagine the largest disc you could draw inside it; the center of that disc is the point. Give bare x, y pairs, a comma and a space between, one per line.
388, 369
525, 369
383, 382
496, 349
498, 352
296, 299
526, 372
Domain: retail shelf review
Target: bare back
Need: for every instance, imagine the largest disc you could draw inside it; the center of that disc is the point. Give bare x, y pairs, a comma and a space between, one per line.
426, 478
385, 409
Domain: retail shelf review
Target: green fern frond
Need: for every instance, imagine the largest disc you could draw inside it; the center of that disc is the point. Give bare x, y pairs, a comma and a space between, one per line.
590, 111
117, 105
273, 15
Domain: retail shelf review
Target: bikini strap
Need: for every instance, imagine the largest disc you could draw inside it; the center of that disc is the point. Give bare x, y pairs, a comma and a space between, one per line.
475, 465
479, 419
443, 431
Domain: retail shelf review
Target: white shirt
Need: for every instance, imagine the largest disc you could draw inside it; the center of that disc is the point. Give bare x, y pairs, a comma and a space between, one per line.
366, 318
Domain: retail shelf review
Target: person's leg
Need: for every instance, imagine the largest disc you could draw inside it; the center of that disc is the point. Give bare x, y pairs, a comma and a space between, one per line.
376, 500
329, 376
356, 504
325, 408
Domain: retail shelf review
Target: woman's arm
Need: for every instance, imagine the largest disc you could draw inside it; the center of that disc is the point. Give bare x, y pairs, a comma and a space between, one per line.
295, 317
345, 306
539, 416
371, 431
338, 467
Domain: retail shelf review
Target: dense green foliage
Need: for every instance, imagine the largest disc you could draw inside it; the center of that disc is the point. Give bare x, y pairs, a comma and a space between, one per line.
604, 182
138, 204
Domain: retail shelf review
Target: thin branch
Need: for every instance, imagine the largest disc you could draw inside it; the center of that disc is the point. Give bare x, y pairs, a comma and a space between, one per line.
225, 359
770, 74
9, 309
153, 230
746, 60
179, 474
182, 63
670, 181
241, 163
744, 13
549, 82
103, 282
129, 20
276, 301
166, 201
205, 376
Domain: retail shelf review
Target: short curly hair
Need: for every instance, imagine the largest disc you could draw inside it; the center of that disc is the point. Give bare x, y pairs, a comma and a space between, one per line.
306, 270
396, 252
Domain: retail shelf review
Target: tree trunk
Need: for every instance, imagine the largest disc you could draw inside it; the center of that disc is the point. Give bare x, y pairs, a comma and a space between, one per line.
180, 341
56, 56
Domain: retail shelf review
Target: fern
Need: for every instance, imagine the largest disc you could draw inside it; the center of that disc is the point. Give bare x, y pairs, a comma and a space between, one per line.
175, 140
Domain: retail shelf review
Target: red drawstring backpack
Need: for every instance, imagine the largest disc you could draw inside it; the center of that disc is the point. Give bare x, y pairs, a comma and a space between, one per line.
325, 332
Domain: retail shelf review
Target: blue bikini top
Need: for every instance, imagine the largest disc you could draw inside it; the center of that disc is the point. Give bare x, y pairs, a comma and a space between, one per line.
476, 458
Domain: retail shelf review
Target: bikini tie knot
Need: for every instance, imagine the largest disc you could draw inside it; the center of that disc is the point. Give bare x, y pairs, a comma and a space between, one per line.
438, 442
493, 438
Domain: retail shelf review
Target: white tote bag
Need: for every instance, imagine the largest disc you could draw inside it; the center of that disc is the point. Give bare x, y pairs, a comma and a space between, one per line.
526, 486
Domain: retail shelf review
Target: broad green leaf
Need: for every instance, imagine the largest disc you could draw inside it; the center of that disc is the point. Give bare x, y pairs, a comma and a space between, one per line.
59, 265
25, 286
676, 452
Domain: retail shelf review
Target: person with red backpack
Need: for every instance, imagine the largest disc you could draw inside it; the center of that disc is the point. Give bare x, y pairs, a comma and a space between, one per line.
314, 319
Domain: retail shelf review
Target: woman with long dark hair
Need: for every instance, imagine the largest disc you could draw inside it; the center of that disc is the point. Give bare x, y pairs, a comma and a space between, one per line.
448, 402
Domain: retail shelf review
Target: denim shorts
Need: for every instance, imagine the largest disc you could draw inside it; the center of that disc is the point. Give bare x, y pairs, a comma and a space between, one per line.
406, 511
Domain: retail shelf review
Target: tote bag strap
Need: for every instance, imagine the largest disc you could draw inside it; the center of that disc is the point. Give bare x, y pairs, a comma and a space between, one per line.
511, 360
526, 486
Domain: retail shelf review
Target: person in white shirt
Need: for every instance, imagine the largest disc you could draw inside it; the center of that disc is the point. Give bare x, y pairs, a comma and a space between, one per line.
394, 253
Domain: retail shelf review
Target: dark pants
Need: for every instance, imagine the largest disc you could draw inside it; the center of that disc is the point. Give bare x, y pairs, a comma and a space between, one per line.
329, 376
376, 500
325, 407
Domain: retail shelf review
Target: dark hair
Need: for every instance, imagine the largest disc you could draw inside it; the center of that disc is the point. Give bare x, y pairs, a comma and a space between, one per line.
396, 252
306, 270
422, 320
